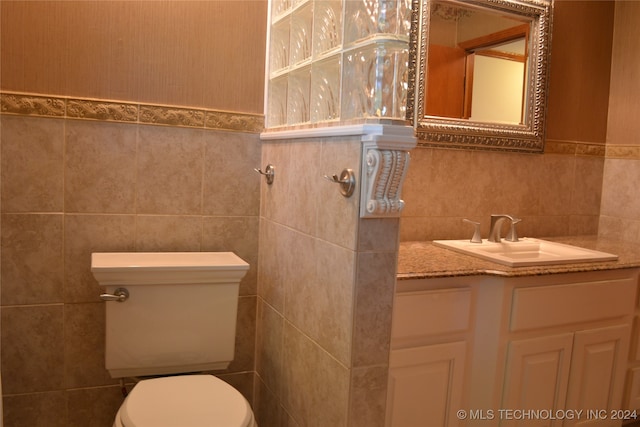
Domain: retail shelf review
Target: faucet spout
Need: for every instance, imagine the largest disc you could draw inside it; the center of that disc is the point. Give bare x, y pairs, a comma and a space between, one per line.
496, 226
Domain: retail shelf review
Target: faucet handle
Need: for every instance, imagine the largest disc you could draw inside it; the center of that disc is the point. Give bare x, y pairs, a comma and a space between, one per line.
477, 238
512, 236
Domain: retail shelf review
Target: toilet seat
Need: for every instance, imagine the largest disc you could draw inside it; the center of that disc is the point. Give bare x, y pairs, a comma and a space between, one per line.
185, 400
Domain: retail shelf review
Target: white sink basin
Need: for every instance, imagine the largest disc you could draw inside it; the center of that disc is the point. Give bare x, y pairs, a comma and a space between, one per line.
526, 252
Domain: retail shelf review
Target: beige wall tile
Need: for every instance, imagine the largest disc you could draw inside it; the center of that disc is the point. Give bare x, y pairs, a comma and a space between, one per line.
231, 186
167, 233
272, 262
375, 289
337, 216
36, 410
94, 407
243, 382
84, 332
583, 225
587, 187
617, 228
238, 235
367, 403
268, 411
620, 189
32, 258
269, 347
245, 346
319, 299
32, 348
170, 170
378, 234
556, 183
100, 167
32, 171
292, 199
316, 386
445, 186
85, 234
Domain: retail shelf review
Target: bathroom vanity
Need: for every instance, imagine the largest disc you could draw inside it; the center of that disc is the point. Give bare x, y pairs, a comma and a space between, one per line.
476, 343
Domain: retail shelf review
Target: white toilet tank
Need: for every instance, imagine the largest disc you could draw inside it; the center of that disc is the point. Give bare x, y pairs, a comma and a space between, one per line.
180, 313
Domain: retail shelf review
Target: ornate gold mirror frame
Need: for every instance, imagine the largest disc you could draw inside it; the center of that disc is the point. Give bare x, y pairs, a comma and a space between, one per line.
436, 131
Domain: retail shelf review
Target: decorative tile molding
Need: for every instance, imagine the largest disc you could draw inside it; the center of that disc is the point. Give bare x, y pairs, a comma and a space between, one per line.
32, 105
127, 112
628, 152
234, 121
574, 148
99, 110
595, 150
172, 116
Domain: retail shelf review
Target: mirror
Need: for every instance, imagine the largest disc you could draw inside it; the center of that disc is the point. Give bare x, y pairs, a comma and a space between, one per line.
478, 73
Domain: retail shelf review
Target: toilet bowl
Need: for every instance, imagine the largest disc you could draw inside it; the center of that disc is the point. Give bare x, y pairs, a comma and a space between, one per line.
184, 400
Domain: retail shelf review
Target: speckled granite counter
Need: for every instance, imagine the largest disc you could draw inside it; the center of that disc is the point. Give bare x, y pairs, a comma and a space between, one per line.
420, 260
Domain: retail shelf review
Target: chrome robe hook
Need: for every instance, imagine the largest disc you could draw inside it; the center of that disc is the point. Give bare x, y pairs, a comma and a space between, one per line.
269, 173
347, 181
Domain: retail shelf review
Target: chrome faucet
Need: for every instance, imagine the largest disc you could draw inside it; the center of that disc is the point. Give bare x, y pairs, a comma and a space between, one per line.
496, 226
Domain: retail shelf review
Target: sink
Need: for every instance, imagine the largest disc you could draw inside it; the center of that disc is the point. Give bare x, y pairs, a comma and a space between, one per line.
526, 252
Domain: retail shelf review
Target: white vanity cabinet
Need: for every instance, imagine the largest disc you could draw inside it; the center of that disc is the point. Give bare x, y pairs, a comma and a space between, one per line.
431, 332
549, 350
578, 357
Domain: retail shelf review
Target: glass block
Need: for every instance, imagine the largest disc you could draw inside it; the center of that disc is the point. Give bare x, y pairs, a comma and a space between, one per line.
279, 48
277, 105
373, 82
301, 35
327, 27
325, 89
296, 3
298, 94
279, 8
368, 18
404, 18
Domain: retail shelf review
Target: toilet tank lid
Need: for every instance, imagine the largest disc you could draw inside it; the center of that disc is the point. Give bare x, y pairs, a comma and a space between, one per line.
156, 268
193, 400
166, 261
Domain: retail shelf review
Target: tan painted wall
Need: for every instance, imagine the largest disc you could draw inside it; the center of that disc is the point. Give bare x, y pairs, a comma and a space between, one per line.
194, 53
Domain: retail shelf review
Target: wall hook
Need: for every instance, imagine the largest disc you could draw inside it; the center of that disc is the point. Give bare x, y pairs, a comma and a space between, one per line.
347, 181
269, 173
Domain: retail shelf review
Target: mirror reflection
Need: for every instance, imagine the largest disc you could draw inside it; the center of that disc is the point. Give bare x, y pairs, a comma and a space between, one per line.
478, 73
477, 64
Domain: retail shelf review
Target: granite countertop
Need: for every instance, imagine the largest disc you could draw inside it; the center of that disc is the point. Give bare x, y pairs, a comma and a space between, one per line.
421, 260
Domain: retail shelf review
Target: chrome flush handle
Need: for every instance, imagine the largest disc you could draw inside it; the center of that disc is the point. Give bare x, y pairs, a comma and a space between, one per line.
120, 295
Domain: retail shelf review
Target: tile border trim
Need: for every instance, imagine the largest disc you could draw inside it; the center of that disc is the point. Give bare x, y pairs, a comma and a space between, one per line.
29, 104
626, 152
575, 148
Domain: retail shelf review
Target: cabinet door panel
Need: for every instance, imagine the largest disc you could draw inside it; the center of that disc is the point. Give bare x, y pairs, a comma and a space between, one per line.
425, 385
597, 372
536, 377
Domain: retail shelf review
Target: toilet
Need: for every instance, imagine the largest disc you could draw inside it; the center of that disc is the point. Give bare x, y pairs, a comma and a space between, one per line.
170, 316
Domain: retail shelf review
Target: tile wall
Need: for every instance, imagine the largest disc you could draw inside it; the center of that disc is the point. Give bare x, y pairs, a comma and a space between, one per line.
620, 216
71, 186
326, 284
555, 193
